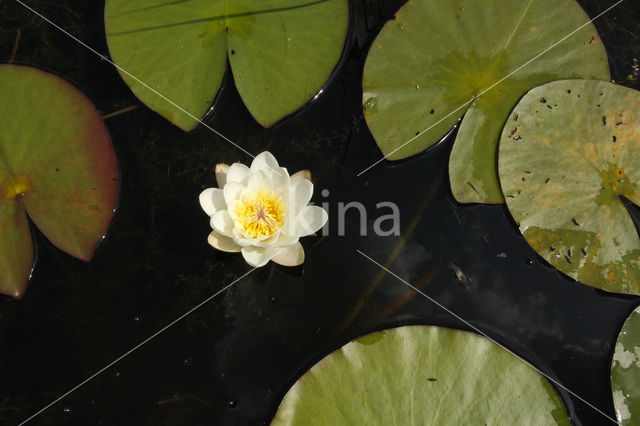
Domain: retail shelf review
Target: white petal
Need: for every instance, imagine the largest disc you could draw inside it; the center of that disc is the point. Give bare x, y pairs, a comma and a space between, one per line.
289, 256
286, 239
212, 200
310, 220
232, 191
238, 172
221, 221
300, 174
222, 243
240, 240
221, 174
265, 162
258, 180
302, 192
279, 178
257, 256
268, 240
243, 239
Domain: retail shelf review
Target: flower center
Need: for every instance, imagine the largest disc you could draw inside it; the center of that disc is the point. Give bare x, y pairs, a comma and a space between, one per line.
259, 214
17, 187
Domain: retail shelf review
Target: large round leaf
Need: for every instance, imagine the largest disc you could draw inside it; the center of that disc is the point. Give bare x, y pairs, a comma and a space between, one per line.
418, 375
57, 165
426, 66
625, 371
569, 150
281, 52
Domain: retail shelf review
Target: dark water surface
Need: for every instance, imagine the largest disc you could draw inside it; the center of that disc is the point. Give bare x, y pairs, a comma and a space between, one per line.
231, 361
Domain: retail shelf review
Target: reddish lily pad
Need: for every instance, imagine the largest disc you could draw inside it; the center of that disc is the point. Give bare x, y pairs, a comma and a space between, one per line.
568, 152
57, 166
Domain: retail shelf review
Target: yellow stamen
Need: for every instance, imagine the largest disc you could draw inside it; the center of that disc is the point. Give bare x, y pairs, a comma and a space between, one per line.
259, 214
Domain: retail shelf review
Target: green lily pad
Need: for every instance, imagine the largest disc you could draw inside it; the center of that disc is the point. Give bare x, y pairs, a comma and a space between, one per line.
281, 52
625, 371
569, 150
417, 375
433, 63
57, 166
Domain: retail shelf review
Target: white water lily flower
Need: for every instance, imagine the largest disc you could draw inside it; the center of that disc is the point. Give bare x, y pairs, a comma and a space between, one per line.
261, 211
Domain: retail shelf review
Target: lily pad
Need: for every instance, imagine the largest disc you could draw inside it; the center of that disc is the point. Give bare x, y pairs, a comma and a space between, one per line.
57, 166
281, 52
434, 62
625, 371
417, 375
569, 150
